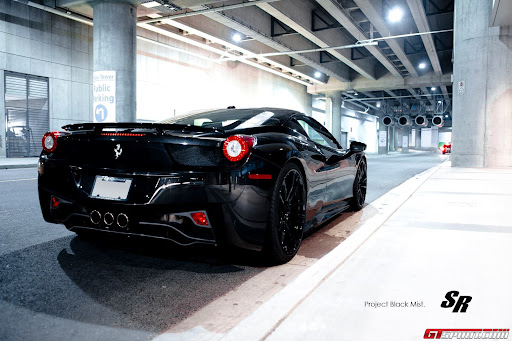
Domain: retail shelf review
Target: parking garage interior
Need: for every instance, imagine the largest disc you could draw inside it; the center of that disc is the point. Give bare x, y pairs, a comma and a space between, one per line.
409, 78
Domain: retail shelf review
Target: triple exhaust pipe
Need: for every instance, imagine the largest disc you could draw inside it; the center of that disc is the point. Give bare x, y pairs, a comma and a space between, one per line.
109, 219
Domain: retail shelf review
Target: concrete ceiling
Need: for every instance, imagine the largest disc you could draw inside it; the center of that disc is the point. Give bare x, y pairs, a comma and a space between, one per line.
286, 26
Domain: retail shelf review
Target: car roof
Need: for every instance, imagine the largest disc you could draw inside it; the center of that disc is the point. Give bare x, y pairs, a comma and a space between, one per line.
279, 113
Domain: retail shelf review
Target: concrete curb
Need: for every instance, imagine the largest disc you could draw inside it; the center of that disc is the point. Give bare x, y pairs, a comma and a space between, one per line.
262, 322
18, 166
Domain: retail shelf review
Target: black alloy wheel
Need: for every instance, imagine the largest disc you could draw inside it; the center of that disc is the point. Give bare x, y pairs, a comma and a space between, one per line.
287, 215
360, 183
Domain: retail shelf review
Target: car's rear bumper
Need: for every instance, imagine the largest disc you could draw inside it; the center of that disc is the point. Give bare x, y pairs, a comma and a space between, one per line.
159, 205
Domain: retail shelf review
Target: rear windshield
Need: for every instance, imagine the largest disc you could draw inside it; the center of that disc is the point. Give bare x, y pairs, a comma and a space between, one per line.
227, 119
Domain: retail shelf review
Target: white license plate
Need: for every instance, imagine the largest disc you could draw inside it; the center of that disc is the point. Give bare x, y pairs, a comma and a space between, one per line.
110, 188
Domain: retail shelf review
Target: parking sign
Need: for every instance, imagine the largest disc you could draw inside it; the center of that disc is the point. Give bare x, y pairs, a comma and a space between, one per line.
104, 96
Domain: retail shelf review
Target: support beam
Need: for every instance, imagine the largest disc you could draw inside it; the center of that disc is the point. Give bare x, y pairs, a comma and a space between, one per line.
426, 92
418, 13
367, 94
387, 82
334, 9
391, 93
413, 92
296, 15
253, 23
446, 97
365, 103
374, 14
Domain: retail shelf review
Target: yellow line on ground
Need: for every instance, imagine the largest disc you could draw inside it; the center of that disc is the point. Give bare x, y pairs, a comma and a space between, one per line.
17, 180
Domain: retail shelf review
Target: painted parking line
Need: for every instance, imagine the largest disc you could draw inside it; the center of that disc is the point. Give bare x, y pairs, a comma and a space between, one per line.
18, 180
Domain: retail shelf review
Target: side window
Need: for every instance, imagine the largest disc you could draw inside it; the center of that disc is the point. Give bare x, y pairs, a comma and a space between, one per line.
293, 124
317, 136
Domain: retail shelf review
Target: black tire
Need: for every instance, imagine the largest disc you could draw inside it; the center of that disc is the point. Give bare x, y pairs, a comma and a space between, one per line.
287, 215
360, 186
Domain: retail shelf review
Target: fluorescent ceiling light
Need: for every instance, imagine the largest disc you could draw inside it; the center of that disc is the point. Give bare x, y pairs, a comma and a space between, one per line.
237, 37
318, 74
395, 14
433, 88
378, 104
445, 115
422, 65
151, 4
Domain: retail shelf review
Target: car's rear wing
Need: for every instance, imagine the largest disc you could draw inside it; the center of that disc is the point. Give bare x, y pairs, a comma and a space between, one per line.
158, 127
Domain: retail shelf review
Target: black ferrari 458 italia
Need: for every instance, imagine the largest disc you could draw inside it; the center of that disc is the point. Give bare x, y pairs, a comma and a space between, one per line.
252, 178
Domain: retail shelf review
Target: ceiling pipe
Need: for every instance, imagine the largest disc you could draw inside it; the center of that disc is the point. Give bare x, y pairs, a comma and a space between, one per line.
421, 121
438, 121
320, 49
388, 121
402, 36
404, 121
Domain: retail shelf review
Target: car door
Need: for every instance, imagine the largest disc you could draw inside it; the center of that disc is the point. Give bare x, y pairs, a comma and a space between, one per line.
338, 168
315, 168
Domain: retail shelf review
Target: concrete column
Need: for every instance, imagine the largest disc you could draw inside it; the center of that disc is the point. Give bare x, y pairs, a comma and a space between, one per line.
391, 133
405, 139
115, 49
335, 98
382, 130
328, 114
482, 88
396, 137
309, 105
417, 142
2, 115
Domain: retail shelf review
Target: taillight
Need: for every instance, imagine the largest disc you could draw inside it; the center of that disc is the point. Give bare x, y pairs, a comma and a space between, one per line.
200, 218
50, 141
55, 202
236, 147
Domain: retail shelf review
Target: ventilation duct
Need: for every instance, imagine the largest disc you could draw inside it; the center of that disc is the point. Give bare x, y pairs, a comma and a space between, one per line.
404, 121
388, 121
438, 121
421, 121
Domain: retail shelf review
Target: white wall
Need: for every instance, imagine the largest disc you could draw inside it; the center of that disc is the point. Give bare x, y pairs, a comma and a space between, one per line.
360, 127
429, 138
170, 82
445, 136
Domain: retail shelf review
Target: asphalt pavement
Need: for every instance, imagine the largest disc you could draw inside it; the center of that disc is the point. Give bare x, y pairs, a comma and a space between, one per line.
54, 286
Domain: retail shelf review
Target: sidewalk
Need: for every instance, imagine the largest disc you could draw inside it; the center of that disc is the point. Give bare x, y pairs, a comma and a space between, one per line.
453, 234
18, 162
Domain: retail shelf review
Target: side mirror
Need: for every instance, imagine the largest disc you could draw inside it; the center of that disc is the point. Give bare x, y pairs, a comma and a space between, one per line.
357, 147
